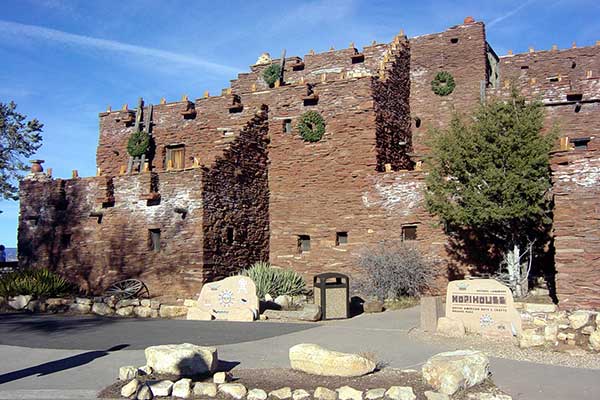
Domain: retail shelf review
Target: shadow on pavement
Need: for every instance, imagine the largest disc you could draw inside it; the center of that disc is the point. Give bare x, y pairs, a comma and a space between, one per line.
59, 365
17, 322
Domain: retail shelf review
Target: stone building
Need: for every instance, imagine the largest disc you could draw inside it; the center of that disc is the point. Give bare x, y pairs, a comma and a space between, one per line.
229, 180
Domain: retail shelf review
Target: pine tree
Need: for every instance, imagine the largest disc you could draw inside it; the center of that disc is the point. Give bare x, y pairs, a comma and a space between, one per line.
490, 175
18, 139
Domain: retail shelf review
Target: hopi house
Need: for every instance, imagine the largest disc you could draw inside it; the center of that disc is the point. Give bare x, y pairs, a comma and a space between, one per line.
230, 181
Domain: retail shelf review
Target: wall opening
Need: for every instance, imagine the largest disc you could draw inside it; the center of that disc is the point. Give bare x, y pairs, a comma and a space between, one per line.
287, 126
230, 235
65, 240
454, 40
341, 238
580, 143
175, 157
409, 232
154, 235
303, 243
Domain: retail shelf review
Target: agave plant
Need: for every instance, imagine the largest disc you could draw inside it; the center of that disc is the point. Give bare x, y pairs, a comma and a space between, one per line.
36, 282
274, 281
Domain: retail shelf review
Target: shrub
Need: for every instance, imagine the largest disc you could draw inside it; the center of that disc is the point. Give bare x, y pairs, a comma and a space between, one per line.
274, 281
37, 282
393, 270
272, 74
138, 144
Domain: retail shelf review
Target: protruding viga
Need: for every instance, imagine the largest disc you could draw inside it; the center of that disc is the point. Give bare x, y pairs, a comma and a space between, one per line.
314, 359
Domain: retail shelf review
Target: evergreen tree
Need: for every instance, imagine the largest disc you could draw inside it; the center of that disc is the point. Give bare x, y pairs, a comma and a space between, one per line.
19, 139
490, 175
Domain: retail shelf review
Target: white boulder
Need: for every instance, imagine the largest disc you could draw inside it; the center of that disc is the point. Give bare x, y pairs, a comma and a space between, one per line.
316, 360
450, 371
181, 359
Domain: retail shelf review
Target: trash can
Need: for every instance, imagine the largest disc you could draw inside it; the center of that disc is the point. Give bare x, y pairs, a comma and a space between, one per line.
331, 291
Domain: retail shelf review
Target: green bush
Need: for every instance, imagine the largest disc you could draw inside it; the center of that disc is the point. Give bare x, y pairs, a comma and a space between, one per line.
272, 74
311, 126
274, 281
35, 282
138, 144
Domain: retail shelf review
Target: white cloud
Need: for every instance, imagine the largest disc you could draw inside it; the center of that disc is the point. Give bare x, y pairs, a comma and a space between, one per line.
54, 35
509, 13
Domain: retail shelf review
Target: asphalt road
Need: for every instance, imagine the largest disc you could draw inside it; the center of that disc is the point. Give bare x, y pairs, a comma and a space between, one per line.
60, 357
93, 332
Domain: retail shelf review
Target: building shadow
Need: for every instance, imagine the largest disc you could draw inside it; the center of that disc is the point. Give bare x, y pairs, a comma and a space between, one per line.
59, 365
23, 322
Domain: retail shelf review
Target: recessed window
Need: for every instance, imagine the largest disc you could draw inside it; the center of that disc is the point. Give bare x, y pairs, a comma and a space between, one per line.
287, 126
303, 243
573, 64
65, 240
230, 235
417, 122
580, 143
554, 79
524, 67
454, 40
409, 232
154, 239
341, 238
175, 157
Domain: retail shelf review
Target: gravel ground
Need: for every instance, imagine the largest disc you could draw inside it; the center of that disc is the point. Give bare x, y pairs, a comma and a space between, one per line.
508, 348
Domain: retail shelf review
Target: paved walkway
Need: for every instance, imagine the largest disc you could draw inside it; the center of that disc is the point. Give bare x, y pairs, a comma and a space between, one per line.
77, 357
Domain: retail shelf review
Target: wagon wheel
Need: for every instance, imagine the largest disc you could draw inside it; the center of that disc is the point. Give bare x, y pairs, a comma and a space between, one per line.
127, 289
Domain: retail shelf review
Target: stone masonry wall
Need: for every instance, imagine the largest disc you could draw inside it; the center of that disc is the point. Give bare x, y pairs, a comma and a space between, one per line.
236, 203
97, 230
576, 177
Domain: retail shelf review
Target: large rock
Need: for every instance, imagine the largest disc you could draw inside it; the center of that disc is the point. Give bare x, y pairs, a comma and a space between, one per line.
595, 340
450, 371
144, 393
36, 306
450, 327
127, 303
167, 311
145, 312
349, 393
19, 302
228, 296
400, 393
310, 312
182, 388
102, 309
316, 360
241, 315
161, 388
323, 393
283, 301
257, 394
530, 338
300, 394
130, 388
373, 306
221, 377
205, 389
83, 300
181, 359
233, 390
124, 311
80, 308
281, 394
127, 372
579, 319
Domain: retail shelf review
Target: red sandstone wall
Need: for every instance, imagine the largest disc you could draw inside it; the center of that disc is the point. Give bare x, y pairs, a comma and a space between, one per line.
576, 177
465, 60
118, 246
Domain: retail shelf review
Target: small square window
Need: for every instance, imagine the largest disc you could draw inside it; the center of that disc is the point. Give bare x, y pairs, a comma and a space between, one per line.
65, 240
454, 40
287, 126
175, 157
154, 239
303, 243
580, 143
409, 232
341, 238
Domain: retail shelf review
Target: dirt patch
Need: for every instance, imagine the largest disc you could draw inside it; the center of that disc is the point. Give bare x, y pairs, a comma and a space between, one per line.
272, 379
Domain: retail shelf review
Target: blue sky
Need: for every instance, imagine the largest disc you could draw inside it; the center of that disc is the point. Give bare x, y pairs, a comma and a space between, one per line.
63, 62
